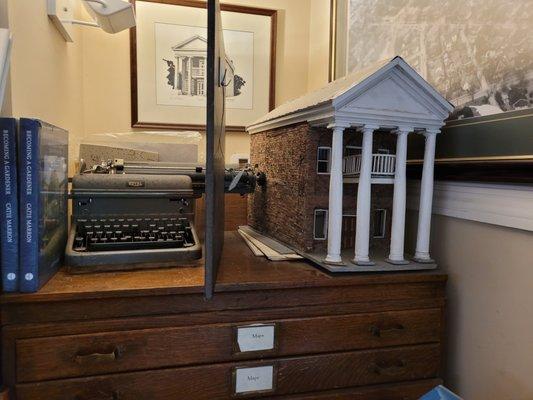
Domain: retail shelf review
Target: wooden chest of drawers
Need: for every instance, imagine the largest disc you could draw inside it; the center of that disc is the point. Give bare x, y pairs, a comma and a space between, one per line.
151, 335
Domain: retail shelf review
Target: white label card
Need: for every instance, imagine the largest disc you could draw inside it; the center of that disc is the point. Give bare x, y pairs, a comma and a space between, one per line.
255, 338
258, 379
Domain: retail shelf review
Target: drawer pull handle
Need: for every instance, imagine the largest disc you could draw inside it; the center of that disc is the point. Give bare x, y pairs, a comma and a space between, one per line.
96, 357
394, 368
379, 332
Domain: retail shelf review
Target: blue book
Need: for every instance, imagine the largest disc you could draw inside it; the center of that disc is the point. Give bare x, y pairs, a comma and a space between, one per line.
9, 241
43, 160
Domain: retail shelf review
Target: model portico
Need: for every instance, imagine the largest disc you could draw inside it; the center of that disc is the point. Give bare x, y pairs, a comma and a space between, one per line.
389, 100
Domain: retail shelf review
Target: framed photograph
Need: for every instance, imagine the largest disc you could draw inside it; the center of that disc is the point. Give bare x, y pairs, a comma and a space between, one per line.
492, 148
484, 68
169, 58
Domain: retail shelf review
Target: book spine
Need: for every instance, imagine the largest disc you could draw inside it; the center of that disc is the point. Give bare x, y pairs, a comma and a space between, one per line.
29, 204
9, 241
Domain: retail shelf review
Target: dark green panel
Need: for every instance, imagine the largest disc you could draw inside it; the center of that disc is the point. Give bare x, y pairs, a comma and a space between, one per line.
499, 135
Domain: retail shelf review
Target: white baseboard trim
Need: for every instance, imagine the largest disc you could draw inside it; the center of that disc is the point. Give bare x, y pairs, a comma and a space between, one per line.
505, 205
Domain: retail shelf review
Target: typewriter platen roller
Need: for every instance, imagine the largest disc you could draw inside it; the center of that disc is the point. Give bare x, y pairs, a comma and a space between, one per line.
138, 219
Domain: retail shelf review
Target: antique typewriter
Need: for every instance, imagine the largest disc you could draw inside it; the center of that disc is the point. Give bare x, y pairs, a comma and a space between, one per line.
138, 215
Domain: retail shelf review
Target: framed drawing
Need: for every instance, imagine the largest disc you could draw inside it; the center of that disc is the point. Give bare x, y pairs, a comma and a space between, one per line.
169, 56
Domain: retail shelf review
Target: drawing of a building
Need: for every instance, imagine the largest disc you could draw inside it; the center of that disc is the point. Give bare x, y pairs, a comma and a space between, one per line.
191, 61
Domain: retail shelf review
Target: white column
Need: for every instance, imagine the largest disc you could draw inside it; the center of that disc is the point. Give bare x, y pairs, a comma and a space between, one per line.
426, 200
398, 202
177, 71
189, 77
362, 229
335, 196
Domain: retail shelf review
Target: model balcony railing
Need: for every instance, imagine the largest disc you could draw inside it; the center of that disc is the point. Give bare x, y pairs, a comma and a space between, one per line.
382, 164
198, 72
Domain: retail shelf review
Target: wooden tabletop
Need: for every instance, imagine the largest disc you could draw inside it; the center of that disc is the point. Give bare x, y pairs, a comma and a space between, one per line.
239, 270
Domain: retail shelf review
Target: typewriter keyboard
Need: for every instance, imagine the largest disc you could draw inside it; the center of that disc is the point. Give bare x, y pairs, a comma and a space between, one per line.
120, 233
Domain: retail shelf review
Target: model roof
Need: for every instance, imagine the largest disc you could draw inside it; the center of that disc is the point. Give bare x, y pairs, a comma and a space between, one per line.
329, 94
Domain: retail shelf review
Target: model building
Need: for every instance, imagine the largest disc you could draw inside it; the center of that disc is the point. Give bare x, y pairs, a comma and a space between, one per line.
336, 166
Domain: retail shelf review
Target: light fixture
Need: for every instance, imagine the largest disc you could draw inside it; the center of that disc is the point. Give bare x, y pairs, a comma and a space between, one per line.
111, 15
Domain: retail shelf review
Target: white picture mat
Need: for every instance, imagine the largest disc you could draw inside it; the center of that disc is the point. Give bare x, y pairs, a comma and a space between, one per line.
148, 14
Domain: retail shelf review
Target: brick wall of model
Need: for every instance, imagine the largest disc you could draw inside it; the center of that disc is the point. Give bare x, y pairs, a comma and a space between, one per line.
285, 207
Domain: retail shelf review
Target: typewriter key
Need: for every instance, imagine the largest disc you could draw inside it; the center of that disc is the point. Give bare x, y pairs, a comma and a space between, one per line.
79, 243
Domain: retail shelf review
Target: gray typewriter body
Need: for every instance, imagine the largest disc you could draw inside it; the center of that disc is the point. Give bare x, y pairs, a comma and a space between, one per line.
128, 221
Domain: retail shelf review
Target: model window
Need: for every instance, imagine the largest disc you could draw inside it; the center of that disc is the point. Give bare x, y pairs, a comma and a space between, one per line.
321, 224
380, 223
323, 160
243, 162
200, 87
352, 150
383, 151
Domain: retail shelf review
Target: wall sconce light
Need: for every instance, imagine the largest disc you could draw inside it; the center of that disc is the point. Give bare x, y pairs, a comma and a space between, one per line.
111, 15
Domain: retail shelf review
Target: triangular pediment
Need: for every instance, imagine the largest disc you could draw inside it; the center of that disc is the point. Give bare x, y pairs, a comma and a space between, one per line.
194, 43
395, 93
388, 96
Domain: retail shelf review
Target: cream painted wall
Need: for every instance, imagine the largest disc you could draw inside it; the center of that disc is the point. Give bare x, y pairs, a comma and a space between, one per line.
106, 100
490, 303
46, 72
85, 87
319, 23
292, 51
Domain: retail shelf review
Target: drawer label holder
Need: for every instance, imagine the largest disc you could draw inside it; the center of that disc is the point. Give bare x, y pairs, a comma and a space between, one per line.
249, 380
257, 337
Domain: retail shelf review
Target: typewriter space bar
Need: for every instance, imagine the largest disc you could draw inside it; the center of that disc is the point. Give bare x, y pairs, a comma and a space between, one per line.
117, 246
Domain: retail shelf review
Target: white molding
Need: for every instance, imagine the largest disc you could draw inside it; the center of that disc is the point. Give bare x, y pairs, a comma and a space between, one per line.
505, 205
376, 181
325, 114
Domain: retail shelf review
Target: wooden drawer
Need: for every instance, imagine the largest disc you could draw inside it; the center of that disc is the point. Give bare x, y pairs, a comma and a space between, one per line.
212, 382
84, 355
393, 391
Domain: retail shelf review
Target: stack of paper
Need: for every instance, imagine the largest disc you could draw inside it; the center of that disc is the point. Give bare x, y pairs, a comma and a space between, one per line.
265, 246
